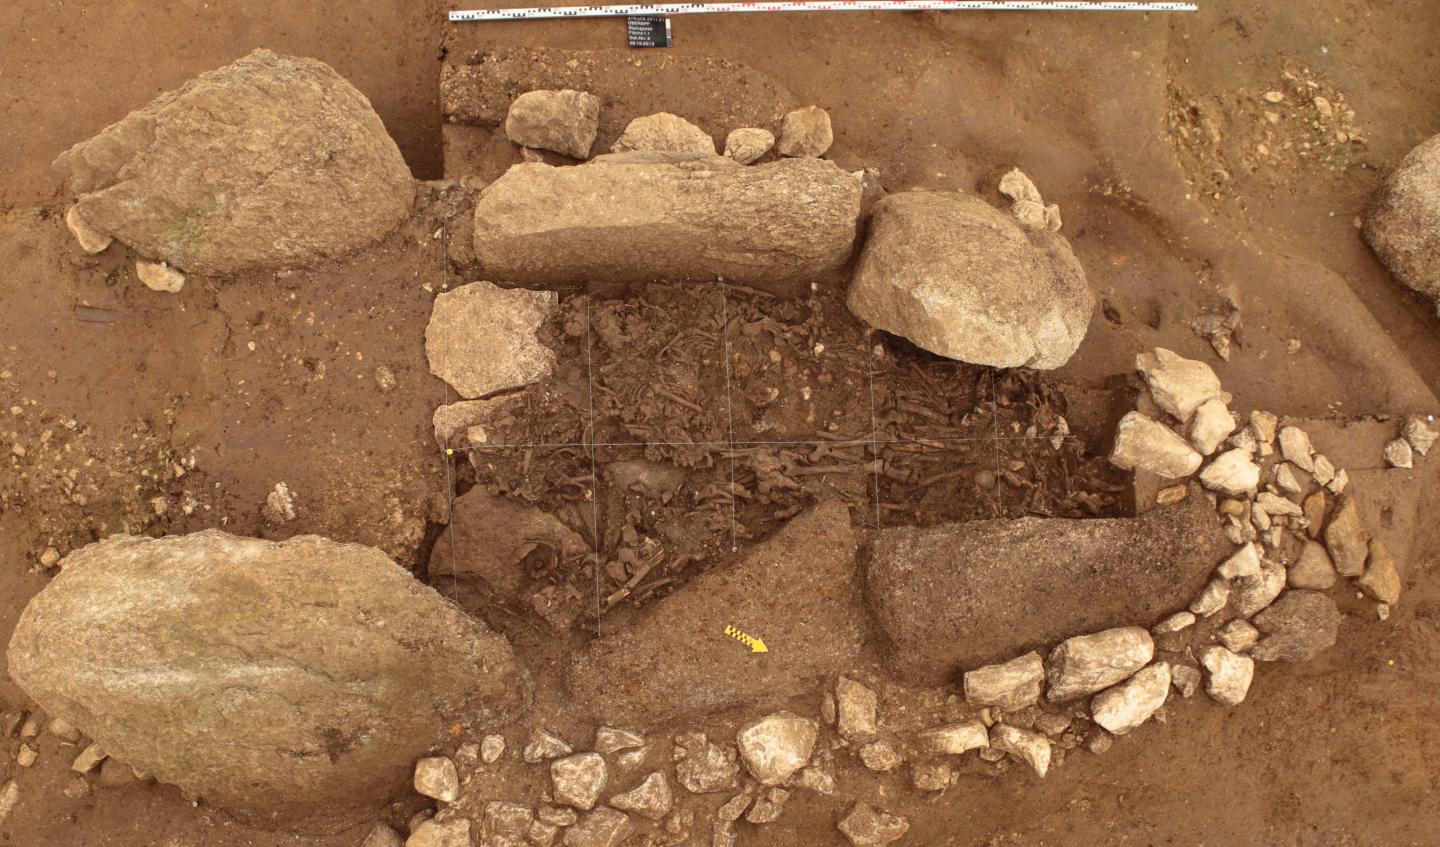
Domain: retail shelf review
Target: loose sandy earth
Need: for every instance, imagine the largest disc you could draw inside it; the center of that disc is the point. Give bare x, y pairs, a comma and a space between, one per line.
1147, 130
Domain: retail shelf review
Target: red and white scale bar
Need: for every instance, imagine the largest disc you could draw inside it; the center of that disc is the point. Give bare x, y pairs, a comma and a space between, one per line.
820, 6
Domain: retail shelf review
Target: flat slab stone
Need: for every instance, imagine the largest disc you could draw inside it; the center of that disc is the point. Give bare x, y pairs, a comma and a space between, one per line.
677, 659
954, 597
481, 338
645, 216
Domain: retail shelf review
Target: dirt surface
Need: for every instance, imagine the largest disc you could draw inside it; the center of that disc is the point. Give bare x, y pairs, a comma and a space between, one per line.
1182, 196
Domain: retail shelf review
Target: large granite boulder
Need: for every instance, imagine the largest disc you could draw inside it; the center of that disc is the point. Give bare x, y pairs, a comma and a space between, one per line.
960, 278
644, 216
957, 596
1404, 226
268, 161
293, 683
798, 591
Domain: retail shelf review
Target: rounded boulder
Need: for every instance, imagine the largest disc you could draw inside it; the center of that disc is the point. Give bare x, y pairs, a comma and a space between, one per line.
293, 684
962, 279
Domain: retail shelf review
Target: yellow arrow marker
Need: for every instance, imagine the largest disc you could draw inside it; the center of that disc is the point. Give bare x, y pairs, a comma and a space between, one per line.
756, 645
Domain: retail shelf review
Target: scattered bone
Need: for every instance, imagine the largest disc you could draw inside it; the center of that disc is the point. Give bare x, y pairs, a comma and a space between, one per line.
866, 826
1088, 663
1212, 424
1382, 579
1233, 472
437, 777
578, 779
651, 798
1032, 748
1229, 675
1131, 703
26, 756
1295, 447
776, 746
1142, 443
1179, 385
1010, 685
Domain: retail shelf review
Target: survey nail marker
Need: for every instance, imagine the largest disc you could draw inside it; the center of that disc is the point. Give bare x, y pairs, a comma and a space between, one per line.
756, 645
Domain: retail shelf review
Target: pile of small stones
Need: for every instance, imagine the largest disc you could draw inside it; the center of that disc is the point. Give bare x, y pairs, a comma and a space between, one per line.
567, 122
90, 765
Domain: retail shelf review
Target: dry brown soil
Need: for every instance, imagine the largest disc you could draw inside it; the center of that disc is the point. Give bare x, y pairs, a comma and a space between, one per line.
1182, 197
